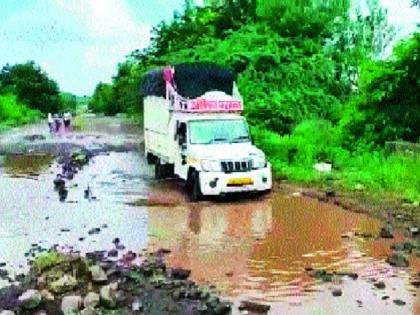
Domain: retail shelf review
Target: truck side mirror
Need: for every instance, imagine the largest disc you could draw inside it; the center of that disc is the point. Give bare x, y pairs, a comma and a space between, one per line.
181, 139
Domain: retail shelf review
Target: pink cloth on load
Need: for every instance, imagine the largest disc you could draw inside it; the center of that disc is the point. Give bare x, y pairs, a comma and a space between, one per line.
168, 75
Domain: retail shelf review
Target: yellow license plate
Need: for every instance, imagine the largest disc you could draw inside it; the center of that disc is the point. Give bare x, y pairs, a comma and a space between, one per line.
240, 181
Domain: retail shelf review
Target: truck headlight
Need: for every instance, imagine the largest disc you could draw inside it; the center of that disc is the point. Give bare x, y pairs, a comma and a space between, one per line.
259, 162
211, 166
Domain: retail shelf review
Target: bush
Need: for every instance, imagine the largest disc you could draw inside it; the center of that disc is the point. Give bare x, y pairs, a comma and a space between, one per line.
47, 260
14, 113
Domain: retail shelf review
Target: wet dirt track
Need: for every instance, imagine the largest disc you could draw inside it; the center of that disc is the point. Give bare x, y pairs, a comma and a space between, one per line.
252, 249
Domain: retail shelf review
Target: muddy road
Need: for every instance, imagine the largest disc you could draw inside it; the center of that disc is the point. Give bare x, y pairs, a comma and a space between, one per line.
265, 250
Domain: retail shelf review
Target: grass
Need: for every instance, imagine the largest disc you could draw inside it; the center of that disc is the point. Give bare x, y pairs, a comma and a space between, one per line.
14, 113
293, 157
47, 260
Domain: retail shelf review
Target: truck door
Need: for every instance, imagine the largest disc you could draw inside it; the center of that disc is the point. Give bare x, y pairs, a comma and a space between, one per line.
181, 145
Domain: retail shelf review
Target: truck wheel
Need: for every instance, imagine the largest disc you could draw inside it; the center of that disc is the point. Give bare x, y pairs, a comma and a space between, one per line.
195, 190
150, 158
158, 169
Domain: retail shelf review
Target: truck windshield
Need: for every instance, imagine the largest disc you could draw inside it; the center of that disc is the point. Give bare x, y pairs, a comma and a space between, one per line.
216, 131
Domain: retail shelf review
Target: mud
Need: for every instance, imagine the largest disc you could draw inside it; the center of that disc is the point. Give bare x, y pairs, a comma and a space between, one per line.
294, 253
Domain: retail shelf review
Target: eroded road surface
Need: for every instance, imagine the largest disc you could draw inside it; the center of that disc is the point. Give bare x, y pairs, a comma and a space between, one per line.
268, 250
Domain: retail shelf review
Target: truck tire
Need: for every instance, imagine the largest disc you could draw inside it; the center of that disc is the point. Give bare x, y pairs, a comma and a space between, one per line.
195, 189
158, 169
150, 158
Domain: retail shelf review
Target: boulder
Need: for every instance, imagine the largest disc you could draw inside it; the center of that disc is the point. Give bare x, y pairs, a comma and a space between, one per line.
47, 295
98, 274
71, 304
337, 292
385, 233
88, 311
181, 274
108, 296
399, 302
30, 299
397, 260
91, 300
254, 307
379, 285
65, 283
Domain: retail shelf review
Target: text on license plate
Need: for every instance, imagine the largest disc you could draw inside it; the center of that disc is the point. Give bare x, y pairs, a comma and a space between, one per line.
240, 181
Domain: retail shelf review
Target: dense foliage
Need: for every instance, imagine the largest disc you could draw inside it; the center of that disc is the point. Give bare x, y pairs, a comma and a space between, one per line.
31, 85
315, 85
27, 93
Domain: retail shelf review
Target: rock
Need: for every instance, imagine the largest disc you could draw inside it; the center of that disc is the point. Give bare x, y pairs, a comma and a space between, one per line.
98, 274
221, 309
108, 295
181, 274
398, 247
47, 295
65, 283
136, 306
337, 292
415, 283
41, 282
6, 312
399, 302
113, 253
414, 231
94, 231
379, 285
116, 241
329, 192
385, 233
254, 307
30, 299
2, 264
88, 311
212, 301
359, 187
322, 167
385, 297
347, 235
91, 300
71, 304
59, 182
397, 260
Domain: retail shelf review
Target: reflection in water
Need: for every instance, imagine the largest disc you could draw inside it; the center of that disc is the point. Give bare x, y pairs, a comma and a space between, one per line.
26, 164
259, 250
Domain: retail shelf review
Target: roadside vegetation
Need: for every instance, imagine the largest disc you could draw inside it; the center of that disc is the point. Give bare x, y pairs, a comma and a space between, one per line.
27, 94
315, 81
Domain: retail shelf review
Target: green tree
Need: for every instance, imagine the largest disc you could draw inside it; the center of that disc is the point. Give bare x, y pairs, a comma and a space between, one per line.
101, 99
31, 85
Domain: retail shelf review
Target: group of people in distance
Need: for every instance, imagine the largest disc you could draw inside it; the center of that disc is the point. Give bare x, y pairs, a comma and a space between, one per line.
57, 120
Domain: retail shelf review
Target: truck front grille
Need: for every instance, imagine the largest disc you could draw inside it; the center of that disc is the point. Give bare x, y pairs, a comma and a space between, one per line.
236, 166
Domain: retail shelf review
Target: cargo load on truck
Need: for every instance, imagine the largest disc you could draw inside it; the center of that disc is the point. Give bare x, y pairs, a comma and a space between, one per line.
194, 130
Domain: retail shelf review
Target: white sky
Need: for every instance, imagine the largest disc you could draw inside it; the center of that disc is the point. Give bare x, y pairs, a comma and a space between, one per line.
80, 42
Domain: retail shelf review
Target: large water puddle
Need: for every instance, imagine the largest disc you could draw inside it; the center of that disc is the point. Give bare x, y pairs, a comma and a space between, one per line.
251, 250
259, 251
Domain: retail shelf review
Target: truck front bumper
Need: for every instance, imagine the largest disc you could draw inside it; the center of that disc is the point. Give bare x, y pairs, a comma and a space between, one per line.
217, 183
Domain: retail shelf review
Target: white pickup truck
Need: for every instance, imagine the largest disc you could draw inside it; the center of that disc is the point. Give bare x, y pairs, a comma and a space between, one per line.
203, 140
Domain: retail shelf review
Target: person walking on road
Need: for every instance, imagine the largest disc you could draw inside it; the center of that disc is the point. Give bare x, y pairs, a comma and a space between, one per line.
57, 123
50, 123
66, 119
